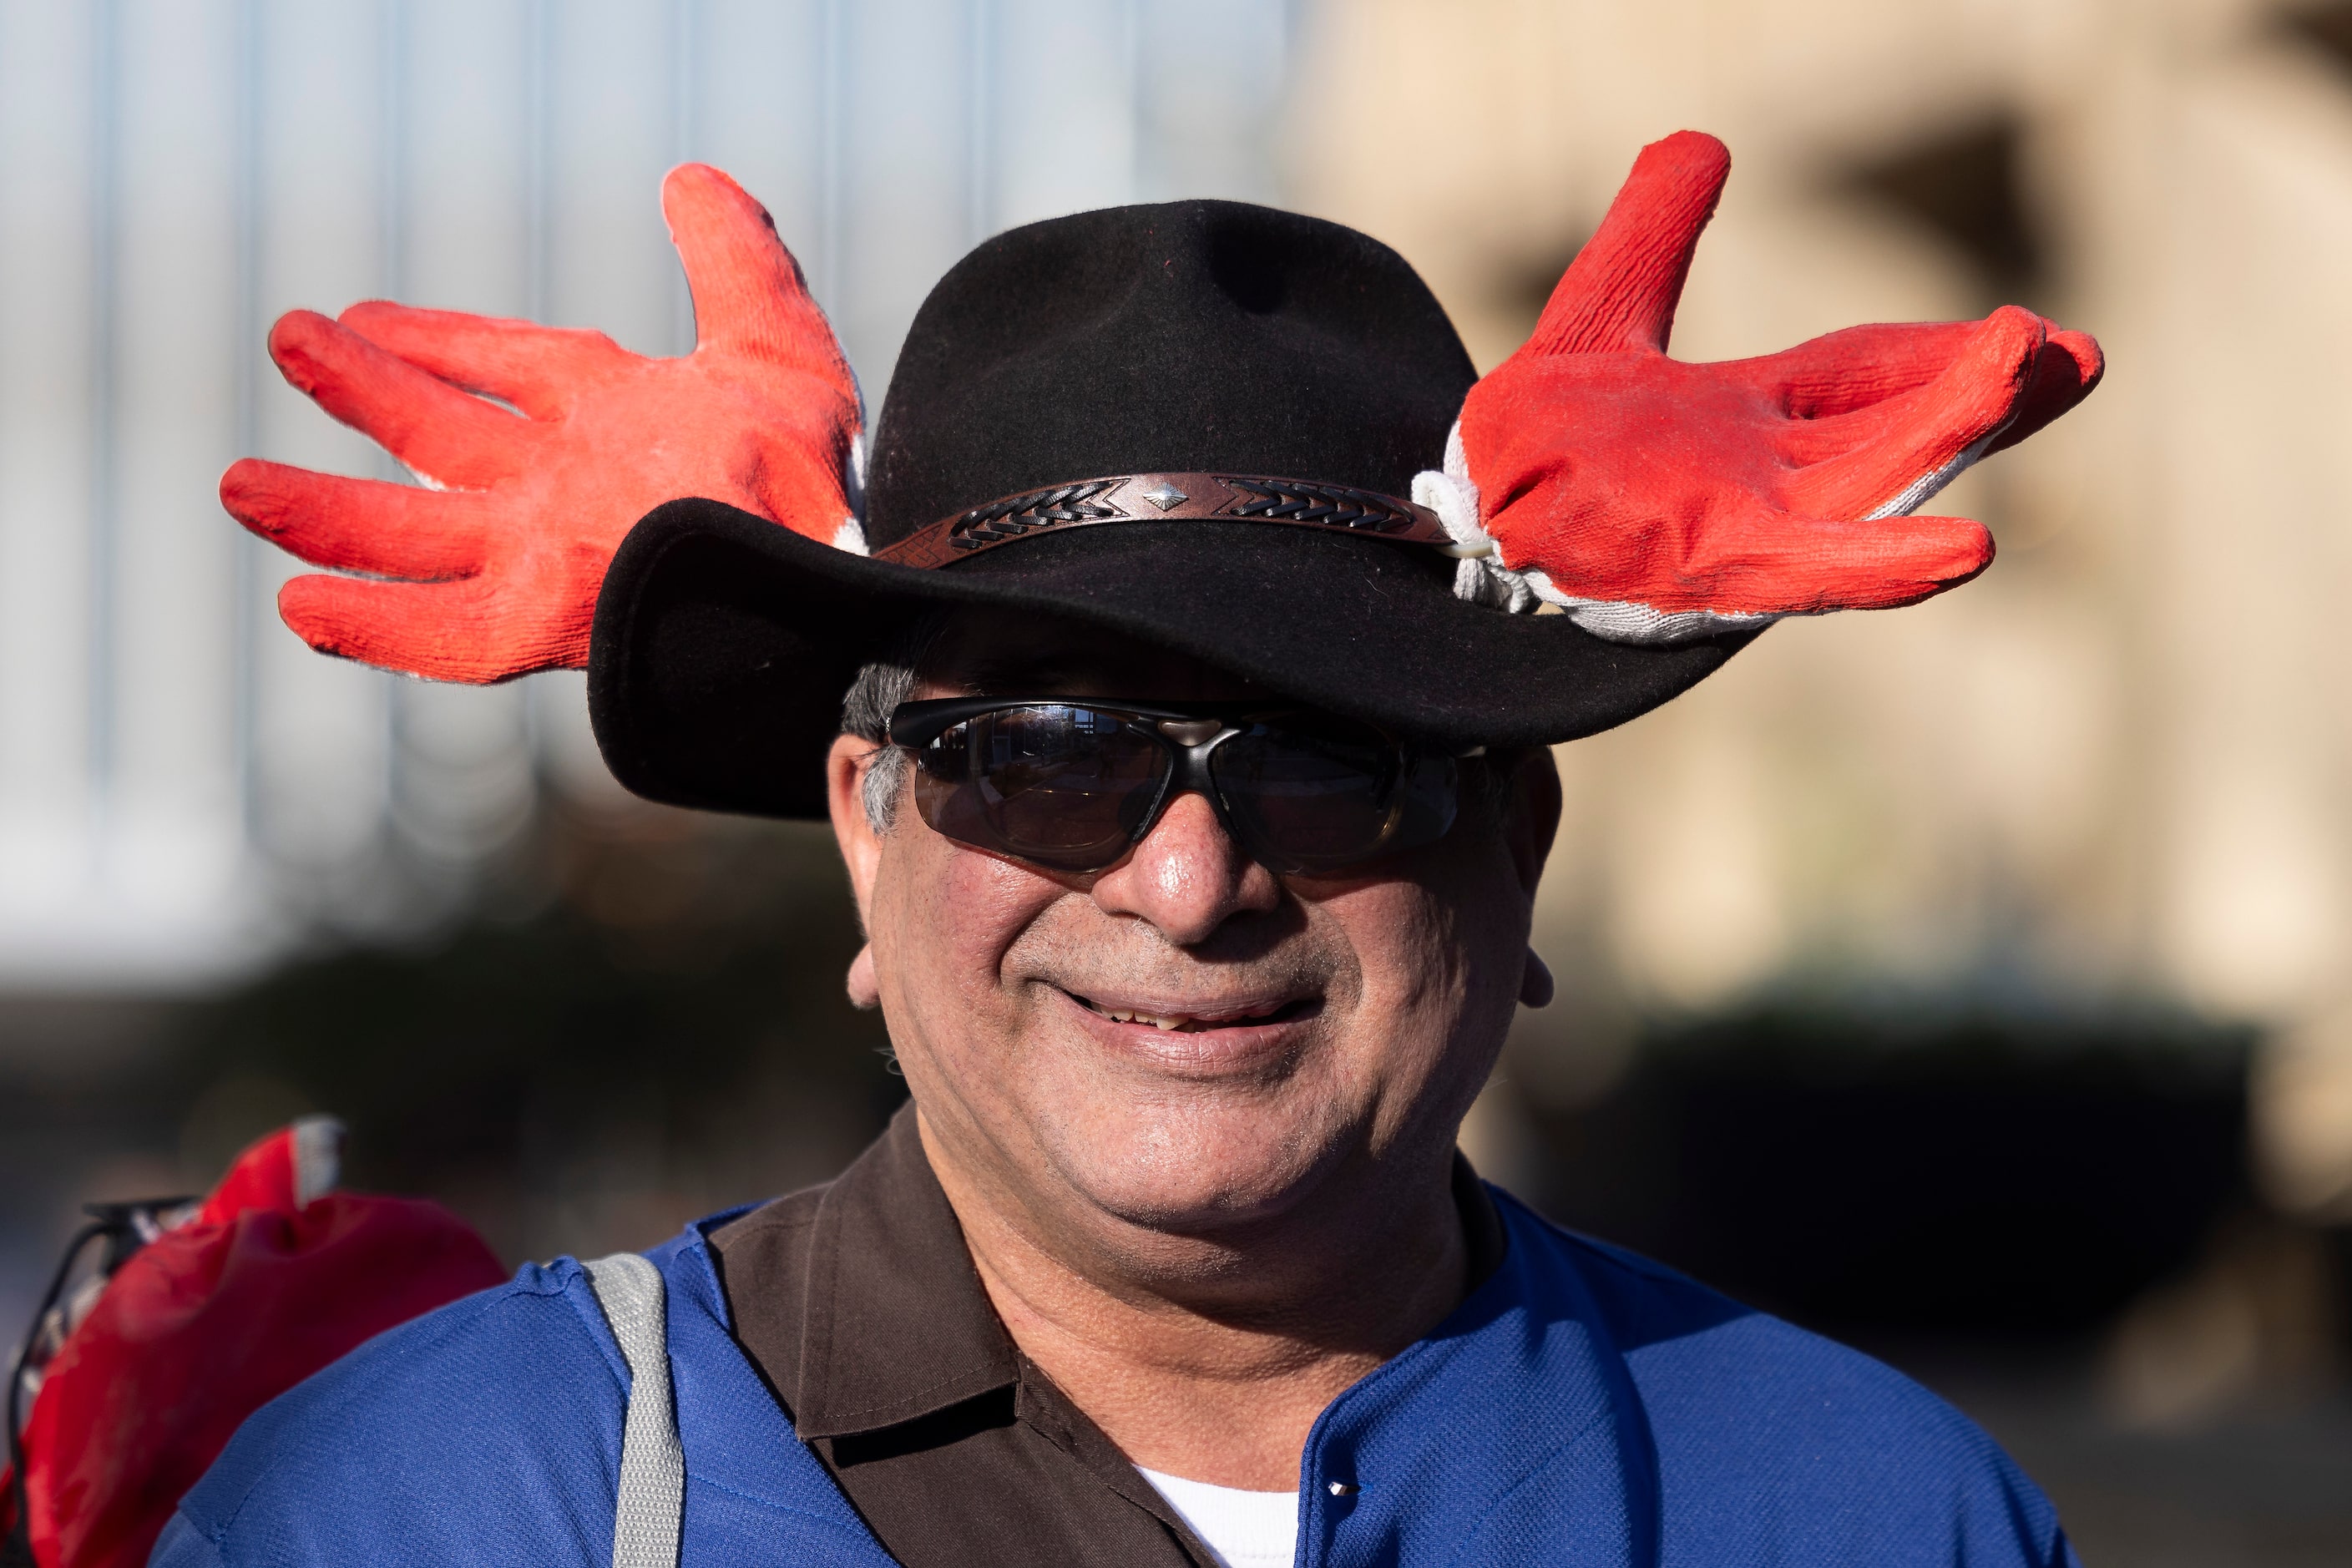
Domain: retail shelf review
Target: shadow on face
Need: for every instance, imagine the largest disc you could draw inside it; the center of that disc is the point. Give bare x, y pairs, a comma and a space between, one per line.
1186, 1042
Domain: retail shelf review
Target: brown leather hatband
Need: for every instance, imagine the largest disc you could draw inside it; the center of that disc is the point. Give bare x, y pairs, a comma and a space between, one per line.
1166, 498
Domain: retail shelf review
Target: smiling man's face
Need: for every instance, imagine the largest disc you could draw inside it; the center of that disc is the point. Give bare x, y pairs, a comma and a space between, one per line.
1186, 1043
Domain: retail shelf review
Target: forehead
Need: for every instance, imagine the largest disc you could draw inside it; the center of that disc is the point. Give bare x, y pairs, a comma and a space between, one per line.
987, 652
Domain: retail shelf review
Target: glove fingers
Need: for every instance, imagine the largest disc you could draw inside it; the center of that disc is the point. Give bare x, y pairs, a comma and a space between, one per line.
1776, 562
358, 525
463, 632
1842, 372
1621, 290
452, 436
2068, 367
535, 368
1905, 449
749, 295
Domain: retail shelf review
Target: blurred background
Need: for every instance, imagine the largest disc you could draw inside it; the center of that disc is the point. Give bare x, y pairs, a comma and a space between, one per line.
1974, 983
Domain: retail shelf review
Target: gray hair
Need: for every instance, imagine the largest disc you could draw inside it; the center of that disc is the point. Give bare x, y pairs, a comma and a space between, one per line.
866, 707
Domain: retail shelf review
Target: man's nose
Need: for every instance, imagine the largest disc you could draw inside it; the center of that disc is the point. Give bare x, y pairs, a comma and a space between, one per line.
1188, 876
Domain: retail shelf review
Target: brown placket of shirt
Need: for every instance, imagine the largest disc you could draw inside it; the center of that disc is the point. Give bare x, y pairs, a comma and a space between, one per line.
859, 1303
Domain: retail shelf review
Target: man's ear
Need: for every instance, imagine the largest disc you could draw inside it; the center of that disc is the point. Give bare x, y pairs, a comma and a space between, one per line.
1531, 818
844, 791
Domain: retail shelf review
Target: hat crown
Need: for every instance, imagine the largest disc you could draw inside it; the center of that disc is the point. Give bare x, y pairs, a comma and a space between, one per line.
1184, 336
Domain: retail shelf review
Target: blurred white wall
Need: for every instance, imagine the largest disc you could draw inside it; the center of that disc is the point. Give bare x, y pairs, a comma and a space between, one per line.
181, 783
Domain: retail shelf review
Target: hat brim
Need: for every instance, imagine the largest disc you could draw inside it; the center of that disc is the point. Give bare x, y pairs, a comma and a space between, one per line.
723, 644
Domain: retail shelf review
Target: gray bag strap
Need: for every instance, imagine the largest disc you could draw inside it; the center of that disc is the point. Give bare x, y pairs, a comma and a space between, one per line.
652, 1465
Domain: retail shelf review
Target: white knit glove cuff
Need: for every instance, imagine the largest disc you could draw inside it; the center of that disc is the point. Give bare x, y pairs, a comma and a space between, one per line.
1481, 577
851, 534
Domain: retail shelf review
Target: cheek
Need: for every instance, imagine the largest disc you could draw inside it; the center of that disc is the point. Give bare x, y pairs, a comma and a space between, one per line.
942, 920
1439, 964
1409, 960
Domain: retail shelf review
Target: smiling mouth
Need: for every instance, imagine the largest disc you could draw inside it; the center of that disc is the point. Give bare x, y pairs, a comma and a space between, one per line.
1191, 1024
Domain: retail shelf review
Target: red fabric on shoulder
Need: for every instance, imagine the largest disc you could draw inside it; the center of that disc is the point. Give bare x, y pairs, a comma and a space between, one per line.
208, 1323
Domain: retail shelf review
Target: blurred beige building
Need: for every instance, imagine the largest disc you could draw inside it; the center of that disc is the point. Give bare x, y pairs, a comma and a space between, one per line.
2119, 763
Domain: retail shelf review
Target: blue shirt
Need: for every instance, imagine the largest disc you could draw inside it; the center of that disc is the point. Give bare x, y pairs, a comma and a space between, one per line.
1582, 1405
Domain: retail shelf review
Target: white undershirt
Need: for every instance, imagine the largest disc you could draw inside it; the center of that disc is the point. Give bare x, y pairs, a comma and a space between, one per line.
1246, 1529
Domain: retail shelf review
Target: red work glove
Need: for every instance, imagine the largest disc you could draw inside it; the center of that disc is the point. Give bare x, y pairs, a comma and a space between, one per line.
272, 1279
502, 557
1655, 500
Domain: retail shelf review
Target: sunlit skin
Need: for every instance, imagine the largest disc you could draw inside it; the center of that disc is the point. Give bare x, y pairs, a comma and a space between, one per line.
1202, 1236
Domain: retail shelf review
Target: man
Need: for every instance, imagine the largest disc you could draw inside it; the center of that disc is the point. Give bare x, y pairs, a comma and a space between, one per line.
1183, 731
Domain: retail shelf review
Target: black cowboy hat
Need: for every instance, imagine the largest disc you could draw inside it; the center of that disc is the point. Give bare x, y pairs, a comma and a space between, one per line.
1194, 425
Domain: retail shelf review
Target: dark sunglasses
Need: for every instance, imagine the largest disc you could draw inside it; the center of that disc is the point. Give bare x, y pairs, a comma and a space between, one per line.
1072, 784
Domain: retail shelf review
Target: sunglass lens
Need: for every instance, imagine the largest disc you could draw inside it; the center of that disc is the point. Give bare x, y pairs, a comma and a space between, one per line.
1062, 785
1312, 793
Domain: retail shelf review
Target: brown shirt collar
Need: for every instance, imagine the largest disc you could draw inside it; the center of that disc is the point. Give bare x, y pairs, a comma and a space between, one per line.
858, 1302
870, 1308
896, 1323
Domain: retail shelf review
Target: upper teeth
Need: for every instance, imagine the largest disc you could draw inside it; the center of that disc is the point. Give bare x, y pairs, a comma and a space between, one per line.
1157, 1020
1171, 1020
